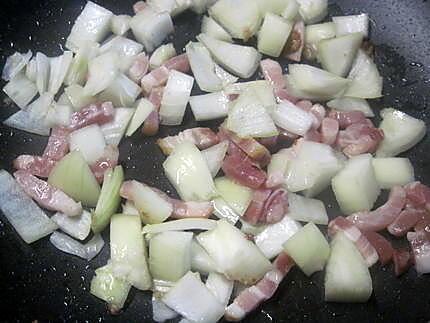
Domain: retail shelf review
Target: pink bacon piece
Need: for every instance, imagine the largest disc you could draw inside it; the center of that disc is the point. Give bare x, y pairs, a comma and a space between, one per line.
402, 261
184, 210
272, 72
418, 195
420, 245
346, 119
201, 137
94, 113
313, 135
105, 162
244, 171
139, 67
35, 165
406, 220
178, 63
58, 144
250, 298
46, 195
340, 224
382, 246
284, 95
296, 42
256, 207
383, 216
152, 123
329, 131
267, 206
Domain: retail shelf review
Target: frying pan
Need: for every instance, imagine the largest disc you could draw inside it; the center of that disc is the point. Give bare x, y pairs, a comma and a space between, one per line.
38, 282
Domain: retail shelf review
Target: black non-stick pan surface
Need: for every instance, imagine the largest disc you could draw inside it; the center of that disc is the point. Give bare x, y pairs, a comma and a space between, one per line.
38, 282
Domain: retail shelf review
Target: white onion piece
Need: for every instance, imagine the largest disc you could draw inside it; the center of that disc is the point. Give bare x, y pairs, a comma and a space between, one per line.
15, 64
160, 287
151, 28
306, 209
76, 226
363, 194
89, 141
77, 97
237, 257
312, 11
59, 115
175, 98
277, 168
79, 67
212, 28
241, 18
129, 208
272, 6
313, 168
352, 24
59, 67
291, 10
261, 88
143, 110
210, 106
92, 24
315, 33
271, 239
114, 130
122, 92
366, 81
125, 48
351, 104
102, 71
43, 66
249, 118
295, 91
240, 60
20, 90
251, 229
215, 156
237, 196
161, 55
390, 172
288, 116
401, 132
64, 100
33, 118
200, 260
337, 54
120, 24
273, 34
180, 225
29, 221
317, 81
192, 299
161, 312
31, 70
200, 6
204, 68
220, 286
86, 251
222, 210
173, 7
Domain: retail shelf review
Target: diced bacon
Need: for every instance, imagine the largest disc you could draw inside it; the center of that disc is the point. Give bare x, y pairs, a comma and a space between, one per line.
267, 206
329, 131
109, 159
178, 63
319, 112
340, 224
139, 6
201, 137
294, 47
58, 144
420, 245
383, 216
183, 210
284, 95
94, 113
272, 72
406, 220
156, 96
250, 298
418, 195
305, 105
156, 78
313, 135
35, 165
256, 208
46, 195
346, 119
402, 261
382, 246
269, 142
151, 124
139, 67
423, 225
244, 171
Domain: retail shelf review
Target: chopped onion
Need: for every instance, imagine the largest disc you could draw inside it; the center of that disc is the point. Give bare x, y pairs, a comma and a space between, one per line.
15, 64
170, 255
125, 48
241, 18
122, 92
240, 60
161, 312
251, 229
309, 249
78, 69
210, 106
249, 118
129, 208
76, 226
401, 132
200, 6
175, 98
33, 118
173, 7
161, 55
312, 11
220, 286
288, 116
351, 104
102, 71
352, 24
291, 10
337, 54
347, 277
271, 239
315, 33
128, 251
295, 91
31, 70
180, 225
86, 251
59, 67
365, 190
29, 221
200, 260
215, 156
64, 100
277, 168
390, 172
206, 72
20, 90
120, 24
237, 196
114, 131
273, 34
313, 168
306, 209
43, 66
59, 115
92, 24
261, 88
143, 110
192, 299
366, 82
212, 28
78, 97
223, 210
89, 141
272, 6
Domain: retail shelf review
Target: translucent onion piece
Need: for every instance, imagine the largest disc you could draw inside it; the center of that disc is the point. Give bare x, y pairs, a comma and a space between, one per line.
102, 71
312, 11
237, 196
76, 226
20, 90
261, 88
200, 6
15, 64
43, 66
210, 106
272, 6
77, 97
125, 48
122, 92
288, 116
89, 141
352, 24
161, 55
223, 210
394, 171
143, 110
212, 28
314, 34
160, 311
78, 69
31, 70
86, 251
290, 11
273, 34
114, 131
59, 67
215, 156
307, 210
59, 115
200, 260
120, 24
220, 286
180, 225
351, 104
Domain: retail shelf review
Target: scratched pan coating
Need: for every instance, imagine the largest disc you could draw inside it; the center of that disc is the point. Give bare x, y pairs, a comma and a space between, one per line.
38, 282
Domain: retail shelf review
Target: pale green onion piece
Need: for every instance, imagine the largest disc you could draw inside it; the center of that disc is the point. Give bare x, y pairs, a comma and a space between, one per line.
78, 227
351, 104
215, 156
180, 225
223, 210
212, 28
393, 171
143, 110
261, 88
31, 70
120, 24
291, 9
125, 48
237, 196
306, 209
78, 97
102, 71
220, 286
200, 260
79, 66
210, 106
122, 92
15, 64
20, 90
352, 24
312, 11
89, 141
59, 67
273, 34
314, 34
272, 6
43, 67
161, 55
114, 130
295, 91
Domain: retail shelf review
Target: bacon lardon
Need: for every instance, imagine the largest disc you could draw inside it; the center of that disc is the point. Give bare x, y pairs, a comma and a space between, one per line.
58, 144
201, 137
329, 131
109, 159
272, 72
382, 246
152, 123
346, 119
139, 67
184, 210
294, 48
244, 171
35, 165
99, 113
